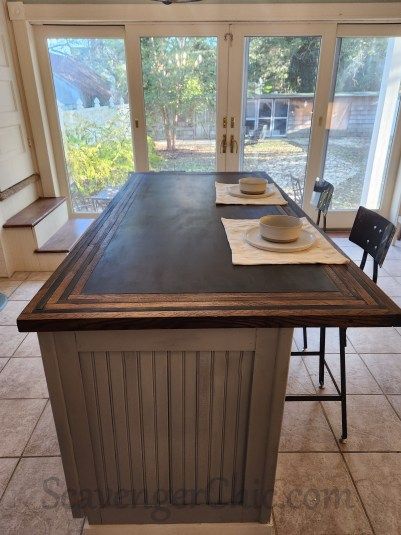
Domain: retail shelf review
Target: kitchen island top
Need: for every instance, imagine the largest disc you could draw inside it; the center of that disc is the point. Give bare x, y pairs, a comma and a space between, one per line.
158, 257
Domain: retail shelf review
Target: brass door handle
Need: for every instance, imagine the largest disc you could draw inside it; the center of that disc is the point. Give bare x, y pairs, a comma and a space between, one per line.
233, 145
223, 144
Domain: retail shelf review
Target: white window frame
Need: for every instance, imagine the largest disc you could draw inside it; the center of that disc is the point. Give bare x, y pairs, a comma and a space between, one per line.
42, 33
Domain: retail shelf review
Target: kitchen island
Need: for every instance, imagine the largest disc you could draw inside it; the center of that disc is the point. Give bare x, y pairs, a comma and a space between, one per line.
167, 365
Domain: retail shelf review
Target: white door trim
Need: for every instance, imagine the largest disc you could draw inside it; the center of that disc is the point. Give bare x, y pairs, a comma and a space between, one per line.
124, 13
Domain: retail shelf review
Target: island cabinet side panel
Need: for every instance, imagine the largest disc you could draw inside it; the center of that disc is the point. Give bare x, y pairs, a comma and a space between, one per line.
171, 426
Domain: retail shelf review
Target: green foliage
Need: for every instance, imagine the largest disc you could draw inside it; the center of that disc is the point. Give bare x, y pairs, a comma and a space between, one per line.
179, 79
361, 64
100, 155
289, 64
282, 64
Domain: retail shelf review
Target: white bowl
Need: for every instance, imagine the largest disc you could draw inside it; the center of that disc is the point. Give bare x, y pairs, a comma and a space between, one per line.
251, 185
280, 228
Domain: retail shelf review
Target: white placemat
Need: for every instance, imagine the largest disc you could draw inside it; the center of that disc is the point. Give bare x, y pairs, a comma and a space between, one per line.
224, 197
321, 252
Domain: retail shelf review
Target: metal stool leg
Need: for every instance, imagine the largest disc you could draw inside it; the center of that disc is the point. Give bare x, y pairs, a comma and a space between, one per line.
343, 343
305, 335
322, 350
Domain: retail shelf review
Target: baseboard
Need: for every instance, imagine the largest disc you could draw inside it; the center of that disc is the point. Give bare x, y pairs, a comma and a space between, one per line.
246, 528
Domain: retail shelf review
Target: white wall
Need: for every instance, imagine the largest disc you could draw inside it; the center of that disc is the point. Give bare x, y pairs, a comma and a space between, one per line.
16, 158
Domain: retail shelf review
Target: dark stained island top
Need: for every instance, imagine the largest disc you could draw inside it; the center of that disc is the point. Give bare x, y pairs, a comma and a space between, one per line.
158, 257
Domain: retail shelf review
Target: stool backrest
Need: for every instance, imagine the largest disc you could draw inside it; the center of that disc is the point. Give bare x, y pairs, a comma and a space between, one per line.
373, 233
326, 190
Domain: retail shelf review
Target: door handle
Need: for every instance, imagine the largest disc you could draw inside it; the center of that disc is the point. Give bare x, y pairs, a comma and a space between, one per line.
223, 144
233, 145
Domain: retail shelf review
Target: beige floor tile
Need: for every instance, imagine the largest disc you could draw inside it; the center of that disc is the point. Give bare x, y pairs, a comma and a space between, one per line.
26, 290
315, 496
43, 441
29, 347
29, 506
23, 378
40, 275
396, 403
10, 339
6, 469
10, 313
387, 371
299, 381
8, 286
353, 251
394, 252
3, 362
305, 428
372, 423
390, 286
359, 379
18, 418
392, 267
20, 275
332, 340
378, 480
375, 339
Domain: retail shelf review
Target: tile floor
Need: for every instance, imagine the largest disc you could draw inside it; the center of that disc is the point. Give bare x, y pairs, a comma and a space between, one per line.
322, 487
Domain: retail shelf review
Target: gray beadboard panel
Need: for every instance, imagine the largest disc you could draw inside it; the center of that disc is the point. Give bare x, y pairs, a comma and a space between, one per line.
106, 422
160, 392
219, 367
242, 411
148, 424
135, 427
204, 386
169, 426
190, 424
89, 377
117, 373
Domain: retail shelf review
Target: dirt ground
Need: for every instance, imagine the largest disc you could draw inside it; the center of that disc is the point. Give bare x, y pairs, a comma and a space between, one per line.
281, 157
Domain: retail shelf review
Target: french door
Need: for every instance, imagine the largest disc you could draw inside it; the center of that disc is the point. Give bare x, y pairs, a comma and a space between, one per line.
179, 75
298, 101
278, 108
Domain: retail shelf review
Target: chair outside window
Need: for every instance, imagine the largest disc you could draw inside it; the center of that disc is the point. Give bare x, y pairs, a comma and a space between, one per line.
324, 191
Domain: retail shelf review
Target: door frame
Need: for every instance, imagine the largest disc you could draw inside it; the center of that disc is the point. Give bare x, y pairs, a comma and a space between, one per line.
345, 218
41, 34
231, 63
134, 33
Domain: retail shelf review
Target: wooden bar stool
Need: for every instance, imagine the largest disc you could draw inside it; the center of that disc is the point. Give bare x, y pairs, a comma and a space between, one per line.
374, 234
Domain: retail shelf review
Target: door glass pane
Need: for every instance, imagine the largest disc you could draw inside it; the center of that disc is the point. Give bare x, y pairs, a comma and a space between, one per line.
90, 84
280, 82
180, 91
364, 111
